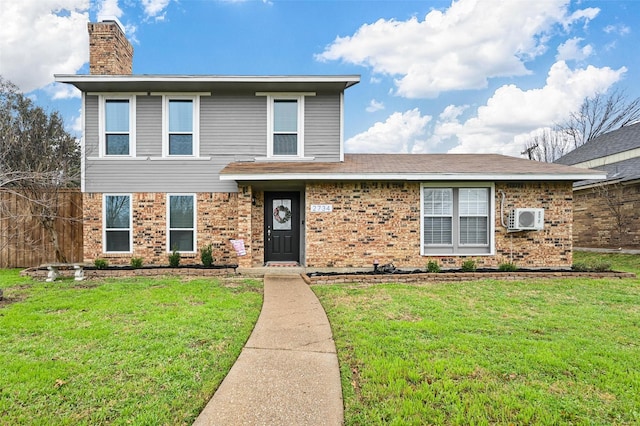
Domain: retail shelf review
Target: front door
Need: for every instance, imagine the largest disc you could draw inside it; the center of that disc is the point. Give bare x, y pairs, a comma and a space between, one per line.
282, 226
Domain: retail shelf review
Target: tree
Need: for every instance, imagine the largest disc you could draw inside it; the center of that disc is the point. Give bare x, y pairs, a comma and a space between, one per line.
38, 158
596, 116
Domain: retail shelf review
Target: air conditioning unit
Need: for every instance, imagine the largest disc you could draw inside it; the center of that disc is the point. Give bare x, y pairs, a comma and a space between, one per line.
526, 220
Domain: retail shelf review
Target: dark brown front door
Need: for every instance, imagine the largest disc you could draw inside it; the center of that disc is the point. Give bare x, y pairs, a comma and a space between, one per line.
282, 226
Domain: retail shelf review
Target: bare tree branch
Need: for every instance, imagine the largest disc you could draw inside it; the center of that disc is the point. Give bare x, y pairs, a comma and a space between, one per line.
596, 116
38, 158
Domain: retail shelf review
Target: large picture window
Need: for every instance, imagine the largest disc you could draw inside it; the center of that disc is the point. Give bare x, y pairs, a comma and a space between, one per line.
181, 125
457, 220
182, 228
117, 125
117, 223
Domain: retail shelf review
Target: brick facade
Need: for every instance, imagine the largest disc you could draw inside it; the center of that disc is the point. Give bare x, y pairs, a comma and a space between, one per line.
110, 53
216, 225
381, 220
369, 221
607, 216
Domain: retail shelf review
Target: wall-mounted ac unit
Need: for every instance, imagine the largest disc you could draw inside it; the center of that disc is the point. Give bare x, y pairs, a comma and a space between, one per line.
526, 220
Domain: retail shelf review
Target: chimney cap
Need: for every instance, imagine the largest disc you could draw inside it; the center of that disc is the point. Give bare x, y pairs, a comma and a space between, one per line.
112, 18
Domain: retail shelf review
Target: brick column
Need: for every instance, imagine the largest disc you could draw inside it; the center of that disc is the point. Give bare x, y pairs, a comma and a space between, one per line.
245, 194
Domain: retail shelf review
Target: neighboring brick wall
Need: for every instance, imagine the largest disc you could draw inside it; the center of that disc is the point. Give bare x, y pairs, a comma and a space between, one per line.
607, 217
381, 220
216, 225
110, 53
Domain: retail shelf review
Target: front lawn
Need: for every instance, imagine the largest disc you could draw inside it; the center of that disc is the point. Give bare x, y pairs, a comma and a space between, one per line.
129, 351
490, 352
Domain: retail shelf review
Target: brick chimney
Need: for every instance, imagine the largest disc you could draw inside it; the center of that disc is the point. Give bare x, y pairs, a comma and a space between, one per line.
110, 53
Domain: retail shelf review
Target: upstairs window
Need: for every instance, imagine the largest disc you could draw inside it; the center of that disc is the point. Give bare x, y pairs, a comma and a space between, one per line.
457, 220
181, 125
117, 223
117, 126
285, 127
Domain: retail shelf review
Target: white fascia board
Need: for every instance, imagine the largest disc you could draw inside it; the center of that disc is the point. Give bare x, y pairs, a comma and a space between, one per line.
410, 177
77, 78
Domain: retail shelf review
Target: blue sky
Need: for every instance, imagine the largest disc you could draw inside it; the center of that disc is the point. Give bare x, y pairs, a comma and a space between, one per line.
436, 76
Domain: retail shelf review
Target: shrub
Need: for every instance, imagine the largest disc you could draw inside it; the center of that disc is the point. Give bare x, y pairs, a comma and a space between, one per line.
174, 258
433, 266
596, 267
601, 267
206, 255
100, 264
136, 262
507, 267
468, 266
580, 267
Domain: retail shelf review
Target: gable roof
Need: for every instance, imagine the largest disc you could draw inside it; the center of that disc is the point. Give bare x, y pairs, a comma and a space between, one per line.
206, 83
626, 138
410, 167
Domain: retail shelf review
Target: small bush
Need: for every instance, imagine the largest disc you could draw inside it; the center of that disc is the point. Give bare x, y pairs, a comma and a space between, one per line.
433, 266
206, 255
136, 262
580, 267
174, 258
507, 267
596, 267
100, 264
469, 266
601, 267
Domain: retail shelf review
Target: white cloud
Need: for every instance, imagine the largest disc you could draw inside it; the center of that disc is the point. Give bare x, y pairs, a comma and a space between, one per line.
459, 48
62, 91
617, 29
109, 8
35, 40
571, 50
511, 111
154, 8
399, 133
375, 106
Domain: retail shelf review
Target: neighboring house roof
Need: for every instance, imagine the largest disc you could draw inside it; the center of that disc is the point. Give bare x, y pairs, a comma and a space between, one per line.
617, 153
205, 83
411, 167
624, 139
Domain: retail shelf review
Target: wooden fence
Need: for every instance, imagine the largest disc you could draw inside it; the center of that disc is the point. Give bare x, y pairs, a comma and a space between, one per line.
23, 240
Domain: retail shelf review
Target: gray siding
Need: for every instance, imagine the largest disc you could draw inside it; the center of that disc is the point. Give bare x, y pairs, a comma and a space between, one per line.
91, 126
233, 124
149, 126
322, 127
158, 175
233, 127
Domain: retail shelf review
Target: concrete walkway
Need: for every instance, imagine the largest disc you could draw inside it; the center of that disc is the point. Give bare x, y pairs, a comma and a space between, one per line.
287, 373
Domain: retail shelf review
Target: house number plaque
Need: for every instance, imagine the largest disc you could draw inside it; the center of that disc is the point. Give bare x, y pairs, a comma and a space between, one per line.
321, 208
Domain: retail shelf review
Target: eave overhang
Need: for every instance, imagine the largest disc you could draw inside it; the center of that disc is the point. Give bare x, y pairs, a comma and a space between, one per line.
206, 83
413, 177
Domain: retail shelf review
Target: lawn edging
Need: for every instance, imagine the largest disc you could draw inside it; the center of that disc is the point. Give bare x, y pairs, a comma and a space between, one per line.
40, 273
457, 276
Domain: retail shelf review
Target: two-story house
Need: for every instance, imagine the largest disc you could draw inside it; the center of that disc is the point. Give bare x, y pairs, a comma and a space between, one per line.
183, 161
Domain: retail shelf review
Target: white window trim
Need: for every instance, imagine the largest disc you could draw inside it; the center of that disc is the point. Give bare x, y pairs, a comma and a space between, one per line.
195, 221
492, 217
104, 223
102, 120
196, 123
271, 98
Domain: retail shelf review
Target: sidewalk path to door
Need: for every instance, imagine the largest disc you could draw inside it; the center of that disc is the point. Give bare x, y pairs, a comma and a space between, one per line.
287, 373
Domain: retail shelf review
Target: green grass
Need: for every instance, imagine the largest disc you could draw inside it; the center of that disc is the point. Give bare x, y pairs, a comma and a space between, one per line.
129, 351
490, 352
